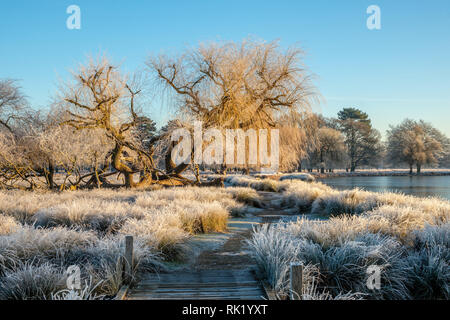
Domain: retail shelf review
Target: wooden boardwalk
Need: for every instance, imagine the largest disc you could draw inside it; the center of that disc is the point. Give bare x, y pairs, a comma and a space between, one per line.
199, 285
222, 273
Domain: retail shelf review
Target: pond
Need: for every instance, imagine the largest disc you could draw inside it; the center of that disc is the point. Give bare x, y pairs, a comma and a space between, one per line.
420, 186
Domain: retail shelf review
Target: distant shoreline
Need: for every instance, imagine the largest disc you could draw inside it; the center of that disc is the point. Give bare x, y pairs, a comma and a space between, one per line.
380, 173
340, 173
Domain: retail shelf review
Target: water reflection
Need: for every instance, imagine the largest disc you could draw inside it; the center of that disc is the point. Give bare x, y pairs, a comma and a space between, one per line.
422, 186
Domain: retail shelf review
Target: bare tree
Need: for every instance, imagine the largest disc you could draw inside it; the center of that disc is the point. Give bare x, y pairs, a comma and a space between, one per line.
22, 161
73, 151
237, 85
102, 98
331, 148
12, 104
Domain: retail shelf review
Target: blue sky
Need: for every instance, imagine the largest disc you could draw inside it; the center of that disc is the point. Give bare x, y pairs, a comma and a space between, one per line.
399, 71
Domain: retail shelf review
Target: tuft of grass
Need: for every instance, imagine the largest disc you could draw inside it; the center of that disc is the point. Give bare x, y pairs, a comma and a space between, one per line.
88, 214
87, 292
298, 176
30, 282
343, 202
8, 225
246, 195
257, 184
429, 263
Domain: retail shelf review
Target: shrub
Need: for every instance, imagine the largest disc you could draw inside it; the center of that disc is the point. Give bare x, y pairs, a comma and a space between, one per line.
257, 184
7, 225
31, 282
298, 176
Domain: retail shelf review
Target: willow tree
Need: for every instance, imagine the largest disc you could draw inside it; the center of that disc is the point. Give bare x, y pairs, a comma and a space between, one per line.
330, 149
100, 97
247, 85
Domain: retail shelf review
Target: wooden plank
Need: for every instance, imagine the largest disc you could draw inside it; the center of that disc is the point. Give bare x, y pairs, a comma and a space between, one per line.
210, 288
229, 272
198, 284
196, 298
193, 292
196, 295
190, 276
203, 284
188, 279
196, 289
122, 293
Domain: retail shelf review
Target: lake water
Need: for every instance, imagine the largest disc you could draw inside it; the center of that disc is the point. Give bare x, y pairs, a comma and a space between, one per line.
421, 186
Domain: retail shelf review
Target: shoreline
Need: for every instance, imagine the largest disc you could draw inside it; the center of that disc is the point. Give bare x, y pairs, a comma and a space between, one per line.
362, 173
378, 174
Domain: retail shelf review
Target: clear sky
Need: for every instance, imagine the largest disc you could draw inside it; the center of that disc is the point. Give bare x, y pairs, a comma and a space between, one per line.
399, 71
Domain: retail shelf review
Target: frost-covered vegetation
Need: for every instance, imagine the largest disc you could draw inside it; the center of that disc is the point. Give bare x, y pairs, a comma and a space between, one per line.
297, 176
267, 183
407, 237
42, 234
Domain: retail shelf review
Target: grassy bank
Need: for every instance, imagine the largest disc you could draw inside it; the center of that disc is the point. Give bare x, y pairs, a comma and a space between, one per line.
42, 234
380, 173
407, 237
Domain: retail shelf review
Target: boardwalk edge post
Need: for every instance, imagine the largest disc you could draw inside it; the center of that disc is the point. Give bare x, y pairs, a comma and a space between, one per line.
128, 261
296, 280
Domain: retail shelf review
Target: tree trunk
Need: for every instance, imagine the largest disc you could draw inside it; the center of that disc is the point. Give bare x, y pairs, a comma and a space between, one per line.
418, 168
97, 177
129, 183
197, 173
322, 169
49, 175
410, 168
121, 167
171, 167
224, 168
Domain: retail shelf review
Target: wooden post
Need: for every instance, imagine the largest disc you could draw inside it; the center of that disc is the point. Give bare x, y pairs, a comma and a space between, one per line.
296, 279
128, 258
